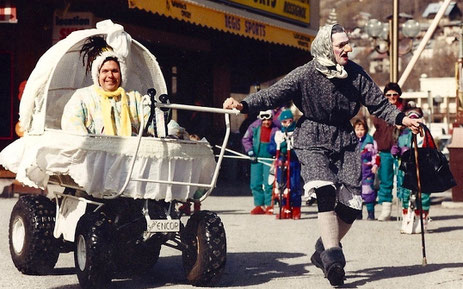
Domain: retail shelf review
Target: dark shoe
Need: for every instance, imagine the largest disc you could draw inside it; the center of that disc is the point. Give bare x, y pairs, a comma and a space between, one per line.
333, 263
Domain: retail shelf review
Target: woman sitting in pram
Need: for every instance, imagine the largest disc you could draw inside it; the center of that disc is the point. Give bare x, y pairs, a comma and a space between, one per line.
105, 107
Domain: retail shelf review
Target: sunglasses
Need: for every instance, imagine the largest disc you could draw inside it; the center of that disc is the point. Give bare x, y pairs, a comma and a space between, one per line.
392, 94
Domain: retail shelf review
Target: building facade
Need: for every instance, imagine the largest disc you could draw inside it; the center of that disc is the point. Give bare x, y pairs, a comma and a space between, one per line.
208, 50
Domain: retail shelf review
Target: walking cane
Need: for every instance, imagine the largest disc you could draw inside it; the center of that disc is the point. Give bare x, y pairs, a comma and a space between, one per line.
419, 200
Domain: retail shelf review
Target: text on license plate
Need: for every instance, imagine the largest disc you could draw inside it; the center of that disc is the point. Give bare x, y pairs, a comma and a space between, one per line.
156, 226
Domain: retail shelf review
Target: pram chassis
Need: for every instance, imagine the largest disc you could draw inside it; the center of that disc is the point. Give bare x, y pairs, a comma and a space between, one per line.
105, 218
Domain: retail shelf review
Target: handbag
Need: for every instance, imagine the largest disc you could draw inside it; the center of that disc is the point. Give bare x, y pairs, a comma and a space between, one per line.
434, 170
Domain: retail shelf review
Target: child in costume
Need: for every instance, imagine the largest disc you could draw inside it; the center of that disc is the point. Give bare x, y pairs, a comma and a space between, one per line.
282, 140
410, 216
255, 142
369, 157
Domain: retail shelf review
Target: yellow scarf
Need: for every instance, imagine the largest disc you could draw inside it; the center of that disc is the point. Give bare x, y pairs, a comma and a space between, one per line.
108, 121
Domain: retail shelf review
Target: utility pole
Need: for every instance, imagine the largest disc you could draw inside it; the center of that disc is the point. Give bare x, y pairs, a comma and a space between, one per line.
394, 43
459, 79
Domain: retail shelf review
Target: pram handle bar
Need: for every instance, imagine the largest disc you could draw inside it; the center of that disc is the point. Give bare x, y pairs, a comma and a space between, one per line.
197, 108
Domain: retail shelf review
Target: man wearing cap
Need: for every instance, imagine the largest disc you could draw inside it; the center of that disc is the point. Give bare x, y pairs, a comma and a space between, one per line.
255, 142
329, 91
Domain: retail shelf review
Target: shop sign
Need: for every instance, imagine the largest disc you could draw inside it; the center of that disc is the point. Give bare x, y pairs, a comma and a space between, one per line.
298, 10
223, 21
65, 23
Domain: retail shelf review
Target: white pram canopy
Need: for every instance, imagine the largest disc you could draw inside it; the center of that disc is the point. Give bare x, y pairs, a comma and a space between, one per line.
99, 164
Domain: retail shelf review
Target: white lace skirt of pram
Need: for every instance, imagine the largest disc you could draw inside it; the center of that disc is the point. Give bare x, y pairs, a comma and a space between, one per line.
100, 164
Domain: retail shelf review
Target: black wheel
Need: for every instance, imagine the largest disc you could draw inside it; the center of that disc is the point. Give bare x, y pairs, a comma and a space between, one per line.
206, 250
33, 248
92, 255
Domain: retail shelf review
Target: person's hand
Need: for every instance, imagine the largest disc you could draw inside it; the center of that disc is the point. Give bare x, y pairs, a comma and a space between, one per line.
252, 157
231, 103
395, 151
146, 100
279, 137
374, 169
412, 123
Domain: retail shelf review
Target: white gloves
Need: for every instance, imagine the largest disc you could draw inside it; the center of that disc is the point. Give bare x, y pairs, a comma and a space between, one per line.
279, 137
146, 101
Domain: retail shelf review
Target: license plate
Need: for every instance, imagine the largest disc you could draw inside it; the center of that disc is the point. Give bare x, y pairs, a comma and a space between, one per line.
160, 226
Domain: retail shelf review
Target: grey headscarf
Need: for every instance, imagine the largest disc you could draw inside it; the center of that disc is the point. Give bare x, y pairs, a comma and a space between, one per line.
322, 51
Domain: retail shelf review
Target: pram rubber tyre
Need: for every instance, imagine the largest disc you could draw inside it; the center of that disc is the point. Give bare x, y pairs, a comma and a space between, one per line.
92, 255
33, 248
145, 257
140, 258
206, 250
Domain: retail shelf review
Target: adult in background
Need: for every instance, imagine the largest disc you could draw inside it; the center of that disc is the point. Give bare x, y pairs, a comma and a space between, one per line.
386, 135
255, 142
329, 91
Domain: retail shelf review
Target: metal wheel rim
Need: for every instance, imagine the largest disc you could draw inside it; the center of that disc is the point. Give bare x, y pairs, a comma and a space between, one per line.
81, 252
18, 233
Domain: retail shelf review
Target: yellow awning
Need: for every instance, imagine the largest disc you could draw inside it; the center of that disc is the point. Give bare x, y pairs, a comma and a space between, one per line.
209, 15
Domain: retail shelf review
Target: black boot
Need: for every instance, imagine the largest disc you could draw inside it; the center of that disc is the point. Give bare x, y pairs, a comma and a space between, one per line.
316, 259
333, 263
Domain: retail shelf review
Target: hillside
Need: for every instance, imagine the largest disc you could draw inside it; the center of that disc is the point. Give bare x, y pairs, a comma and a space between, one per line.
379, 9
443, 46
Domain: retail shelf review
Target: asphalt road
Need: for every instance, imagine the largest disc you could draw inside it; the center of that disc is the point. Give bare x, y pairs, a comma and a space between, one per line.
264, 252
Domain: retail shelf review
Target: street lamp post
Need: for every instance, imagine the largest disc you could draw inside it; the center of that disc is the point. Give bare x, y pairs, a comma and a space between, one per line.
394, 43
389, 33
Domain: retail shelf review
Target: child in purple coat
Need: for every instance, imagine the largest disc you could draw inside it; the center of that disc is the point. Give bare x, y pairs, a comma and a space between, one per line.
369, 158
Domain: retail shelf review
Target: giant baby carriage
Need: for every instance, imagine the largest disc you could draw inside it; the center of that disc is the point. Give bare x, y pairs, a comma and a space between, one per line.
115, 200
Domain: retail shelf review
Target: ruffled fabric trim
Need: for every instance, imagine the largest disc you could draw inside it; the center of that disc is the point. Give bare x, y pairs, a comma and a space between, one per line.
100, 164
